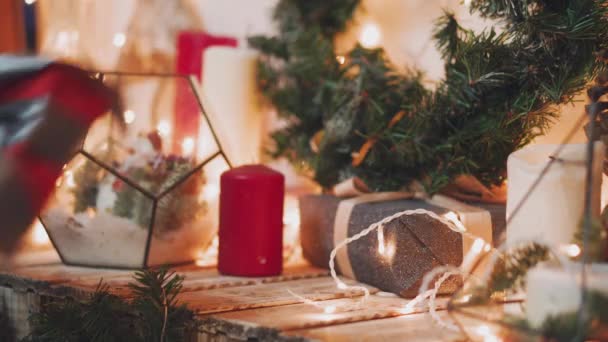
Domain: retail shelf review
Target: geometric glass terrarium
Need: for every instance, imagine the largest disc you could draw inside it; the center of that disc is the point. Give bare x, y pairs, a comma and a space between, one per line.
142, 189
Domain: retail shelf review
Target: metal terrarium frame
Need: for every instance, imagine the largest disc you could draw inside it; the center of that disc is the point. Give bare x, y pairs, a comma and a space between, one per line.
155, 198
456, 308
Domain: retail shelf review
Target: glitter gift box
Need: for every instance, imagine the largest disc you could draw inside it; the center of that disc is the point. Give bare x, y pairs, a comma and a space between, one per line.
396, 259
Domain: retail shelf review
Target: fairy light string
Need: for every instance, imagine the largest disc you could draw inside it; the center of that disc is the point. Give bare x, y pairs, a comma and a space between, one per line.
452, 221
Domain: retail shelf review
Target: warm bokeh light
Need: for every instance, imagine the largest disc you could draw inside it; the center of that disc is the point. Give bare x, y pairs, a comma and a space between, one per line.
69, 179
119, 39
129, 116
39, 235
291, 230
329, 309
571, 250
164, 128
188, 146
487, 334
370, 36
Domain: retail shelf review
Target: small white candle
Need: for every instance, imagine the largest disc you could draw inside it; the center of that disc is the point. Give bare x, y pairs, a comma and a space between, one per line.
552, 290
232, 102
554, 210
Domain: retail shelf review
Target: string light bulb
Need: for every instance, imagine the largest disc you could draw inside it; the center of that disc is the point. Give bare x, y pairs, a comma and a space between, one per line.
370, 36
164, 128
39, 235
129, 116
119, 39
571, 250
188, 146
329, 309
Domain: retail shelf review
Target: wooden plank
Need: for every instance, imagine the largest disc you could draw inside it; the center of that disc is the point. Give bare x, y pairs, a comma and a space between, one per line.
269, 322
63, 274
203, 279
265, 295
411, 328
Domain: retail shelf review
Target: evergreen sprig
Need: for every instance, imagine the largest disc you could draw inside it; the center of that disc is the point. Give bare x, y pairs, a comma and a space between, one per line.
152, 315
499, 92
509, 273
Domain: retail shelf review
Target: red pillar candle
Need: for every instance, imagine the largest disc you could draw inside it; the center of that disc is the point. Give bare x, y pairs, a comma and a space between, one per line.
251, 222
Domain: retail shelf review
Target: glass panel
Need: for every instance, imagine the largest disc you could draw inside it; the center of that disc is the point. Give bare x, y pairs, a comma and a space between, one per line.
96, 219
163, 136
186, 219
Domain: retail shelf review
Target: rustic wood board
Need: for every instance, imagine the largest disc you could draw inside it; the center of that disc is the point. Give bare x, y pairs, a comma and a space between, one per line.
304, 316
61, 274
266, 295
234, 309
199, 279
411, 328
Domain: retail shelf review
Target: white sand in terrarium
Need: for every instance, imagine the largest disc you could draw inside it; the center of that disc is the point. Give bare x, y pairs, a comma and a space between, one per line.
105, 239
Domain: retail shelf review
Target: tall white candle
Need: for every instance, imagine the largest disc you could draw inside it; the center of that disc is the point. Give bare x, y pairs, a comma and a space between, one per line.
232, 102
554, 210
552, 290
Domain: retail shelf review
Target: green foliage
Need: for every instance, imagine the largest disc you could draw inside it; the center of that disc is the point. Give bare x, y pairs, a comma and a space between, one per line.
498, 93
152, 315
509, 272
85, 195
160, 316
181, 205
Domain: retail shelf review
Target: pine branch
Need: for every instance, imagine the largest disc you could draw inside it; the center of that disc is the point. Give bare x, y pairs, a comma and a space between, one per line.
498, 95
154, 314
509, 273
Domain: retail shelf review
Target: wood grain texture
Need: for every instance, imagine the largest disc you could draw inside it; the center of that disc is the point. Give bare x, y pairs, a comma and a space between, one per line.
306, 316
234, 309
411, 328
266, 295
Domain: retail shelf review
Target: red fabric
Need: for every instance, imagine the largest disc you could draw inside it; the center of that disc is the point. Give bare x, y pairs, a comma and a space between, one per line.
35, 174
83, 100
68, 87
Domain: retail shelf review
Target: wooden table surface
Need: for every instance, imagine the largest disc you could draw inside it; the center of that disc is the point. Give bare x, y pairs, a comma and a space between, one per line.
240, 309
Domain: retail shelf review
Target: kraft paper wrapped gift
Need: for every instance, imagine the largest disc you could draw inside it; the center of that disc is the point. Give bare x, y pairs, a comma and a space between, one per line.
412, 245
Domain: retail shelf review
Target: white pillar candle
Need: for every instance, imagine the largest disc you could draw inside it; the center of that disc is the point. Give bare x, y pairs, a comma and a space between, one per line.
552, 290
554, 210
232, 103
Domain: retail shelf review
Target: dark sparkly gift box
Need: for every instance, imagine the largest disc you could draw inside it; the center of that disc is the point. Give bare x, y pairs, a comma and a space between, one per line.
416, 244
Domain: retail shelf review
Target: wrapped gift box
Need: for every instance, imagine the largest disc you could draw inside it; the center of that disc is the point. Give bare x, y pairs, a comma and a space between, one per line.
412, 245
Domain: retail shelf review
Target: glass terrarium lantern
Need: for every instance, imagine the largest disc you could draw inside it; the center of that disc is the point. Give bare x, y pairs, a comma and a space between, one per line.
142, 190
